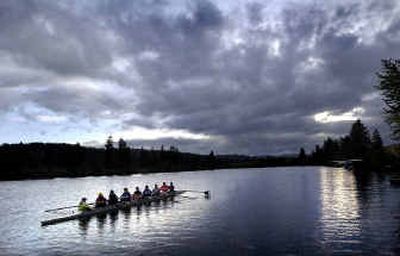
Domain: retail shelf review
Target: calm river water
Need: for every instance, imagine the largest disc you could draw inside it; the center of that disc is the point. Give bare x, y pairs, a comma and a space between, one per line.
272, 211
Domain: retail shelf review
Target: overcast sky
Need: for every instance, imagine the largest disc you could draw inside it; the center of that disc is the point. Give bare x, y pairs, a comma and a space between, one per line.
243, 77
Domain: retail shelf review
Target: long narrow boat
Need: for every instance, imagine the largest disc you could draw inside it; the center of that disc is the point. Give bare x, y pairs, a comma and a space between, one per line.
111, 208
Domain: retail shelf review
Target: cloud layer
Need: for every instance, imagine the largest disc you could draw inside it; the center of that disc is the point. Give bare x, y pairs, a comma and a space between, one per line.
245, 78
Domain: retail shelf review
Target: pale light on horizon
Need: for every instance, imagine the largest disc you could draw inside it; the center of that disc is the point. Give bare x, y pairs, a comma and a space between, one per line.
51, 118
330, 117
159, 133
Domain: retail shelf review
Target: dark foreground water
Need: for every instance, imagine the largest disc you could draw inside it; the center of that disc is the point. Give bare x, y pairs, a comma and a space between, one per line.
275, 211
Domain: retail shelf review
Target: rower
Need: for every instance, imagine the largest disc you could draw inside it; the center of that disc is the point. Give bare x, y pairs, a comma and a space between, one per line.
101, 201
126, 196
137, 194
112, 198
164, 188
83, 205
146, 191
171, 187
156, 191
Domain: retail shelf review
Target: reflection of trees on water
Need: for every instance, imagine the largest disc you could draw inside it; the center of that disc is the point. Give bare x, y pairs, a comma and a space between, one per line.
358, 207
368, 184
377, 207
363, 181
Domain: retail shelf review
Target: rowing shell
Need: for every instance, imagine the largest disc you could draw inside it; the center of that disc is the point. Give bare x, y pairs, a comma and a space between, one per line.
110, 208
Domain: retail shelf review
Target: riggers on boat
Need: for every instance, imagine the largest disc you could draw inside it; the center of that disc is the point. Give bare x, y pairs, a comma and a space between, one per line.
111, 208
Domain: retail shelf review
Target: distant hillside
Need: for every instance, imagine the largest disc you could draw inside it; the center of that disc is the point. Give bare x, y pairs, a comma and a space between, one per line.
48, 160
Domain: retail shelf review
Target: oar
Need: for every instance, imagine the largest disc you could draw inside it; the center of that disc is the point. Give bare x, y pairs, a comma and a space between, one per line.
66, 207
207, 192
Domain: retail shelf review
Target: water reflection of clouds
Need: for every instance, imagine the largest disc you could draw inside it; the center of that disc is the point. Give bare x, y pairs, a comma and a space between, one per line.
340, 211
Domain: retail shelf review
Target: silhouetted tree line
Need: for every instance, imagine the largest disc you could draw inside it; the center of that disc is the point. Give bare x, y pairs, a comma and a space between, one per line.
48, 160
358, 144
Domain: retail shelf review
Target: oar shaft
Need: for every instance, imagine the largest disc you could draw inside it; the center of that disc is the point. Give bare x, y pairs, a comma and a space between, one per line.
66, 207
197, 191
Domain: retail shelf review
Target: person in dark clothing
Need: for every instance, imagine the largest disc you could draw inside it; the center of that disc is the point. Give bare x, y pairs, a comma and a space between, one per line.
146, 191
137, 194
126, 196
156, 191
101, 201
171, 187
112, 198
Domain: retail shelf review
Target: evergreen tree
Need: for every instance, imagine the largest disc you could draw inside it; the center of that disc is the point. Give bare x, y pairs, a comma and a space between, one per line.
162, 152
376, 140
330, 148
302, 155
109, 143
122, 144
211, 153
211, 160
317, 155
124, 152
173, 149
360, 140
109, 159
376, 157
389, 85
345, 147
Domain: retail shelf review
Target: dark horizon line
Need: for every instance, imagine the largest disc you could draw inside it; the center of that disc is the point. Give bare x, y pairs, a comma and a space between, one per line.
294, 154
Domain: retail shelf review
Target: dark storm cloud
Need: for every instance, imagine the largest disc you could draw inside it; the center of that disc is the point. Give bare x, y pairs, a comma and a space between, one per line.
254, 12
251, 77
75, 100
44, 36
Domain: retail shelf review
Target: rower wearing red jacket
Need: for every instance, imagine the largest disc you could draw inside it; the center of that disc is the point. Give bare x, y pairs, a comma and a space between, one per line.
164, 188
101, 201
